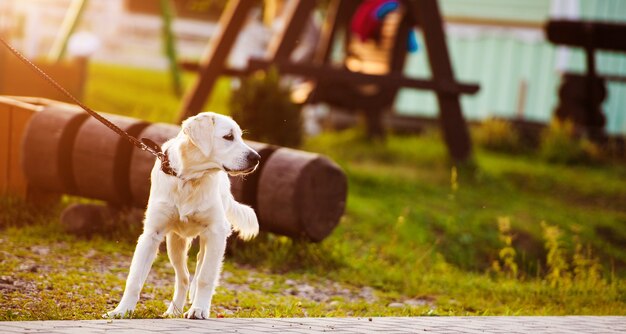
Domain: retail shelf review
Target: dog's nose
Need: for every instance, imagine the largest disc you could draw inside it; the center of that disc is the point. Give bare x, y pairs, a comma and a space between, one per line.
253, 158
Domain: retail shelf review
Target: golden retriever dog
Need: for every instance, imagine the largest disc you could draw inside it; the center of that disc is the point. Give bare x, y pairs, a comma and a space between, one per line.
197, 202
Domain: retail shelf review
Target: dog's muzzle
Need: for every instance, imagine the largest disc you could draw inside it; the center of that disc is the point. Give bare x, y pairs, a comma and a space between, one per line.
252, 160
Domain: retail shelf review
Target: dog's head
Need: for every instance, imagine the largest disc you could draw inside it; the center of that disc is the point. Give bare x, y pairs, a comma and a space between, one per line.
219, 145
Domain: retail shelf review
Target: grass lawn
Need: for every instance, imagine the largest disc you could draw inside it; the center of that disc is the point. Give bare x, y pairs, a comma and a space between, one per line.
517, 236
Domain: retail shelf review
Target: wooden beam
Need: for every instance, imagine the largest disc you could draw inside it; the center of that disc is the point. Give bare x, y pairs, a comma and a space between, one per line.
5, 146
298, 12
213, 62
358, 78
594, 34
483, 21
339, 13
454, 129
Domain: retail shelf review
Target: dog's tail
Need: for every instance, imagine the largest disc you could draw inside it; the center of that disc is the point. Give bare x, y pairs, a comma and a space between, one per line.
243, 219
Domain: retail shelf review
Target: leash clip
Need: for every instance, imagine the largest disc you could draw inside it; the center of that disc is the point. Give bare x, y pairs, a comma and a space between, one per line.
155, 149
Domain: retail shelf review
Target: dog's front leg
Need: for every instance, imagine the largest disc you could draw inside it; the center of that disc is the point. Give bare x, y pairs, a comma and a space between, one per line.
213, 243
145, 253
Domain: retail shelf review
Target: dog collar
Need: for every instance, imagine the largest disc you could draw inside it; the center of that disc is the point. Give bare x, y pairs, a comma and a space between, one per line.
166, 167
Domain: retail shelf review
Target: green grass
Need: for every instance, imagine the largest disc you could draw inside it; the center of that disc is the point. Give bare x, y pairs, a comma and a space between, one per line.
411, 233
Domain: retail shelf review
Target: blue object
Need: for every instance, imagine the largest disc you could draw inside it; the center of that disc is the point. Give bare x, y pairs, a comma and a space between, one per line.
386, 8
412, 45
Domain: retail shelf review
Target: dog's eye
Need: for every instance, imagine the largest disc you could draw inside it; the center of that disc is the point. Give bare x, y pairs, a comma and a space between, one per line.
229, 137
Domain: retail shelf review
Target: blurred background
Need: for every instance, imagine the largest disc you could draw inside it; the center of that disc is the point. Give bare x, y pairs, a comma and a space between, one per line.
499, 44
514, 206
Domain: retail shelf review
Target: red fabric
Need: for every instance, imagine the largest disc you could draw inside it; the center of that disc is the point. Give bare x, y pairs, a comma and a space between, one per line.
364, 22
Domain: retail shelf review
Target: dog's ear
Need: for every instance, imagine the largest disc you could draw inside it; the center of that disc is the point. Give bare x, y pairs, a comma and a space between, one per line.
199, 129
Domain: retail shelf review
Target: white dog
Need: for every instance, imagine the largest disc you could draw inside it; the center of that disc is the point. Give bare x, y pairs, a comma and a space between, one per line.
196, 202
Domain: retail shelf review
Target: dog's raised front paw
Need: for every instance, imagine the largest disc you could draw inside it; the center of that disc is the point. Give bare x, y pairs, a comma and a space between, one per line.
197, 313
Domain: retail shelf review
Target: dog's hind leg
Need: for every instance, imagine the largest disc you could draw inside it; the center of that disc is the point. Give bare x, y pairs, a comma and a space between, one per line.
177, 248
194, 281
213, 242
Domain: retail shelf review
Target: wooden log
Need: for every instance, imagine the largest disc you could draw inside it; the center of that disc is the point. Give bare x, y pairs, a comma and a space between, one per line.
142, 162
300, 194
47, 148
86, 219
101, 159
97, 219
295, 193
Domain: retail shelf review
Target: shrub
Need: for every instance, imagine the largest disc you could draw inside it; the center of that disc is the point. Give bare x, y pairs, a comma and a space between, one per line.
264, 108
498, 135
561, 144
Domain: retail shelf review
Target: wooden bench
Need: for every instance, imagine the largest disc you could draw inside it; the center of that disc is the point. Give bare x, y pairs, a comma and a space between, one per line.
581, 95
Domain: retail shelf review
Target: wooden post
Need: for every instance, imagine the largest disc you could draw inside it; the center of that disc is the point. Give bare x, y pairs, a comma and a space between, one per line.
77, 7
14, 117
212, 63
453, 126
297, 13
339, 12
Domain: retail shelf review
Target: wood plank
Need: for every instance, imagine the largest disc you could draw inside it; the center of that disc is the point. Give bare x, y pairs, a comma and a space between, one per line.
493, 22
592, 34
5, 127
298, 12
335, 18
357, 78
212, 63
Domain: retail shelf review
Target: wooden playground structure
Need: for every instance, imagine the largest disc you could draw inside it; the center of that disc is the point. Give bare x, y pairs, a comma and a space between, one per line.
340, 85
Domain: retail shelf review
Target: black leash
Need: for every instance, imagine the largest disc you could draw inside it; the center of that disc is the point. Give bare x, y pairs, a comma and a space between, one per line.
144, 144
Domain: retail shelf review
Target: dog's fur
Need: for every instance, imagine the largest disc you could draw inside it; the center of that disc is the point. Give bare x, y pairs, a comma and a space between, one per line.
197, 202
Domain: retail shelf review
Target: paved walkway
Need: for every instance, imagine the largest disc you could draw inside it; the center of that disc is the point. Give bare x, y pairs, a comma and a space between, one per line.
570, 325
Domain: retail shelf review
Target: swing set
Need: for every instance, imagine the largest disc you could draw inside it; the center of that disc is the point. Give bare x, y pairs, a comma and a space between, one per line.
339, 85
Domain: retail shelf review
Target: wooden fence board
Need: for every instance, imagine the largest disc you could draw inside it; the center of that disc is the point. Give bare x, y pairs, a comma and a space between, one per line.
5, 121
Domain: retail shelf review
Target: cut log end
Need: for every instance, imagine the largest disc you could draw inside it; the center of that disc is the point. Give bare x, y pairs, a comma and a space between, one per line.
321, 194
301, 195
